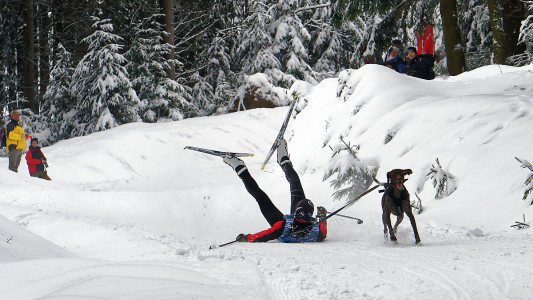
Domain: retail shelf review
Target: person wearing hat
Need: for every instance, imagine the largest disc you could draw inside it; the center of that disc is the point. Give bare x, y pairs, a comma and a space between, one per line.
411, 53
300, 225
419, 65
15, 140
36, 161
395, 43
397, 63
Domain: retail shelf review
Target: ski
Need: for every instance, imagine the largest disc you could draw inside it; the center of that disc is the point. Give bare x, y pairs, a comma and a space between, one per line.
281, 131
218, 153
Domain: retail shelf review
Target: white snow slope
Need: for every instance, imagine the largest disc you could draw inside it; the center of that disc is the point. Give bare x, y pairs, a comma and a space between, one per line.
131, 215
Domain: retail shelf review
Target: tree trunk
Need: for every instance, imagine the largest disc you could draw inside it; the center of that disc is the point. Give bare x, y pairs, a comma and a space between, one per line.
498, 35
29, 62
452, 37
514, 11
168, 35
44, 51
505, 19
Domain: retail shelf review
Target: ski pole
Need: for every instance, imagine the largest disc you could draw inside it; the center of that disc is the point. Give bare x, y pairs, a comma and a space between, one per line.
222, 245
336, 212
349, 203
359, 221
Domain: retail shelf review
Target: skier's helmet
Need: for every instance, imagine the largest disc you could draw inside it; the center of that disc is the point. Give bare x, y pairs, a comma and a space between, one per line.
304, 211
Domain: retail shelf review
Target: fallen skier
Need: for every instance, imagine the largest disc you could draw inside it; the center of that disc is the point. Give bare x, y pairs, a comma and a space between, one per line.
299, 226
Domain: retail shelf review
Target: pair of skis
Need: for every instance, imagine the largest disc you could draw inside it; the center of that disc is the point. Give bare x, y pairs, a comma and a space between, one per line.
275, 145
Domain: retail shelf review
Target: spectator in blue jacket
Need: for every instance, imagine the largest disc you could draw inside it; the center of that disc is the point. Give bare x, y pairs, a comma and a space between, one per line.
395, 61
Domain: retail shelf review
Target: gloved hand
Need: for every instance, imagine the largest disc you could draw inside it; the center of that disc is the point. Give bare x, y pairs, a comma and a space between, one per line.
321, 212
242, 238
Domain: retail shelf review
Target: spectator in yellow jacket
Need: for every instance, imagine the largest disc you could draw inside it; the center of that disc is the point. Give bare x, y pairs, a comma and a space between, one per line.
15, 140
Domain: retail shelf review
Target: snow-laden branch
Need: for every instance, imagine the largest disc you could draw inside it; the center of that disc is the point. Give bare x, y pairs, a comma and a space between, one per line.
312, 7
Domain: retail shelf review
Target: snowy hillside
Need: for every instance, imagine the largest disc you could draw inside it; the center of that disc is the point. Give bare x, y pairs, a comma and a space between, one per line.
131, 215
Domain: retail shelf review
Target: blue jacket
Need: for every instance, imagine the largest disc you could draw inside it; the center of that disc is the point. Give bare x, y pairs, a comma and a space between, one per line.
310, 235
398, 64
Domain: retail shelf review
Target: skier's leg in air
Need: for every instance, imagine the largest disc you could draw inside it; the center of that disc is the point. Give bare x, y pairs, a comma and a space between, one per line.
297, 191
268, 209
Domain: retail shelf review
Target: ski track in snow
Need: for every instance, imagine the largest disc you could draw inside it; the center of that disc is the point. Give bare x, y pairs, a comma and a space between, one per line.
445, 266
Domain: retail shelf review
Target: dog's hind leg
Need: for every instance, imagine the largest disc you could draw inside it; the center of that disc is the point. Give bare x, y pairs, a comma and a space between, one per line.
409, 214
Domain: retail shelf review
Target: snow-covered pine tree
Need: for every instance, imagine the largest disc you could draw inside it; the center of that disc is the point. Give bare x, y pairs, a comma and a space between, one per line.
526, 37
290, 42
526, 30
529, 180
353, 175
474, 21
100, 83
219, 73
443, 180
253, 53
161, 98
58, 99
202, 93
330, 48
10, 78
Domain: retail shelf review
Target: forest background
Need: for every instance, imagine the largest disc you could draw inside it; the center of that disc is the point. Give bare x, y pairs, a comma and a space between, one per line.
79, 66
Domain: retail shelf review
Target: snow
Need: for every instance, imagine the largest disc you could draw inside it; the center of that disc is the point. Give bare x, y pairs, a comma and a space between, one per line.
129, 214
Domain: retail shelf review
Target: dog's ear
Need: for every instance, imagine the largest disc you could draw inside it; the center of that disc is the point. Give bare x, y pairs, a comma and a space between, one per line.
407, 172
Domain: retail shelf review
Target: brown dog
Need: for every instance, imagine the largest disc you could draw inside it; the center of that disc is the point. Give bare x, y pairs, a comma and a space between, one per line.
396, 201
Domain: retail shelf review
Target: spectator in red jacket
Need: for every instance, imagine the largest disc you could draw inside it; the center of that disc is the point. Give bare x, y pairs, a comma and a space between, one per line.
36, 160
426, 40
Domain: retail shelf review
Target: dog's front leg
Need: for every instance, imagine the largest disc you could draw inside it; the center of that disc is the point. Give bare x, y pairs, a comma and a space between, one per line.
388, 225
399, 220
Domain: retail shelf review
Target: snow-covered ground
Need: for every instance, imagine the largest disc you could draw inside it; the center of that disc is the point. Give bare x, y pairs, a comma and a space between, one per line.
131, 215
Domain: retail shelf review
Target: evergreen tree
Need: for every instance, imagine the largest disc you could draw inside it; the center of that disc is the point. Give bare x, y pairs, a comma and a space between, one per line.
219, 73
529, 180
10, 69
202, 93
290, 43
353, 175
474, 22
105, 97
160, 97
253, 51
526, 35
330, 47
58, 100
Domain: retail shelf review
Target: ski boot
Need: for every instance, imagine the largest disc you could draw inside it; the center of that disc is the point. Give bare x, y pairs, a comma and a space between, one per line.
236, 163
283, 154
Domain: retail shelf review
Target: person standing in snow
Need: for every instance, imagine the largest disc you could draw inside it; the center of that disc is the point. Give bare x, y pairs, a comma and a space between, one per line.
36, 161
299, 226
15, 140
426, 40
